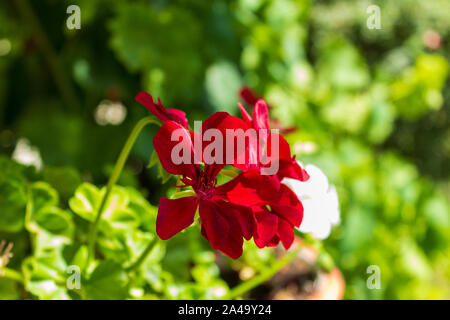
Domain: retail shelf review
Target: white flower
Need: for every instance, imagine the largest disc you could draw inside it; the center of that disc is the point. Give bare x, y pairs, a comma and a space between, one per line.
110, 112
320, 202
26, 154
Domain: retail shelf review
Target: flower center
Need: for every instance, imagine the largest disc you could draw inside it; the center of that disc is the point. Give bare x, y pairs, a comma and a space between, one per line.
204, 186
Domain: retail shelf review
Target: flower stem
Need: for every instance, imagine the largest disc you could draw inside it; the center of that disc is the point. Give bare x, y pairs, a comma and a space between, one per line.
143, 256
262, 277
11, 274
182, 194
113, 179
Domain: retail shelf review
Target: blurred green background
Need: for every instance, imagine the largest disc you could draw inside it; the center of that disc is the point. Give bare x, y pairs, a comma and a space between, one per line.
371, 105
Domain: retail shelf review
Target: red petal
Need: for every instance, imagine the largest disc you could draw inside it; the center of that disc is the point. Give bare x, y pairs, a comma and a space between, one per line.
221, 231
175, 215
147, 100
288, 166
159, 111
223, 121
261, 115
178, 116
291, 169
284, 150
248, 95
247, 118
243, 216
250, 189
275, 241
215, 227
288, 206
249, 160
266, 227
164, 145
285, 233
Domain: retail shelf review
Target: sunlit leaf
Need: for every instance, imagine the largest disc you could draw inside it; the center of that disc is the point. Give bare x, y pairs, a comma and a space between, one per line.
107, 281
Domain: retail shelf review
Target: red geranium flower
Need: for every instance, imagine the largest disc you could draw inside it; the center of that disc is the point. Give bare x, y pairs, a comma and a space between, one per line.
248, 95
276, 208
288, 166
224, 223
159, 111
275, 222
250, 98
251, 204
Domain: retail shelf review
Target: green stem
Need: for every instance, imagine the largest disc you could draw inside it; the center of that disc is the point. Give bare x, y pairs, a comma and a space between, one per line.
113, 179
11, 274
262, 277
143, 256
182, 194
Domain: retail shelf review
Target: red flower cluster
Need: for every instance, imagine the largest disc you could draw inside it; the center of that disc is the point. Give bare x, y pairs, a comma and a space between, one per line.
159, 111
250, 98
253, 204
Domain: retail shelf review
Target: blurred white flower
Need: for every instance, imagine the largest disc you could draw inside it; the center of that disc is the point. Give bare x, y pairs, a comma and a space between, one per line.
137, 292
48, 286
301, 74
305, 147
218, 292
26, 154
320, 202
110, 112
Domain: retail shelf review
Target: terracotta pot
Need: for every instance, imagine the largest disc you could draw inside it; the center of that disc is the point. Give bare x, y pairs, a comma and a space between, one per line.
300, 281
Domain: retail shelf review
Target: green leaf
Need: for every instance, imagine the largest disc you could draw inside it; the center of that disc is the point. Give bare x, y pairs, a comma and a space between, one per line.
153, 160
205, 273
436, 210
64, 179
123, 245
13, 200
45, 274
145, 211
8, 289
86, 201
47, 290
123, 219
419, 87
414, 261
43, 195
108, 282
75, 254
44, 214
14, 170
136, 23
222, 84
116, 205
55, 220
342, 66
162, 174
